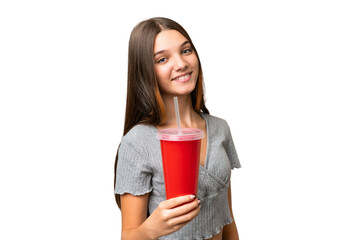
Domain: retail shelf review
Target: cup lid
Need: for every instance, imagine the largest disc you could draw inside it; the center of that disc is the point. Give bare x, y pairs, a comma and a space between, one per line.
187, 134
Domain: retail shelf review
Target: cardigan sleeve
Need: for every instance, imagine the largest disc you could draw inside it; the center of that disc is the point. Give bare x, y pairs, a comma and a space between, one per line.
133, 173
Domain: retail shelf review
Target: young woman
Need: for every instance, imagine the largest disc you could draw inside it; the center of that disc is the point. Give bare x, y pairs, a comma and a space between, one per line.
164, 63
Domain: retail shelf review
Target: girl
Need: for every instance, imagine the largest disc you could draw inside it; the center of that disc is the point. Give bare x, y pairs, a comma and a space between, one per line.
164, 63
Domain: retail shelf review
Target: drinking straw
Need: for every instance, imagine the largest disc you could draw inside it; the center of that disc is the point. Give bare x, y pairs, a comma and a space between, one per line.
177, 114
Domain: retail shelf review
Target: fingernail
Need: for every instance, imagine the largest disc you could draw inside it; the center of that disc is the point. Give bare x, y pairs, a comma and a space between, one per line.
199, 202
193, 196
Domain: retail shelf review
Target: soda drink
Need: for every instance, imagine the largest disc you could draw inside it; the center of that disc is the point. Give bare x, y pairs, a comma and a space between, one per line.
181, 158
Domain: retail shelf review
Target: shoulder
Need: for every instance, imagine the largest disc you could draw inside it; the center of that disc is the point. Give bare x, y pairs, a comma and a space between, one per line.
140, 132
215, 122
140, 137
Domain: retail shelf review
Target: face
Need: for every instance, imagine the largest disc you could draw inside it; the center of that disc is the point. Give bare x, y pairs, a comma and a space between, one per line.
176, 63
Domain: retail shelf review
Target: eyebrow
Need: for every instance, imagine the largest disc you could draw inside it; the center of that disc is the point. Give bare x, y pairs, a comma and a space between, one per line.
161, 51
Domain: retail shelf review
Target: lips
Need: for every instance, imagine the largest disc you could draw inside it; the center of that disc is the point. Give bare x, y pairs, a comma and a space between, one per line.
183, 77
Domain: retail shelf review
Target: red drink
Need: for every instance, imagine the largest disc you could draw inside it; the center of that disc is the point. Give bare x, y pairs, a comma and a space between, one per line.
180, 156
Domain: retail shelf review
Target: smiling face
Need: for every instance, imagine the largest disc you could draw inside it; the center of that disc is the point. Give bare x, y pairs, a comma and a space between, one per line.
176, 63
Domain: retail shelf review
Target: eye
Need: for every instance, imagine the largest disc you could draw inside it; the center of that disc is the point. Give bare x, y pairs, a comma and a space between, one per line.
187, 51
161, 60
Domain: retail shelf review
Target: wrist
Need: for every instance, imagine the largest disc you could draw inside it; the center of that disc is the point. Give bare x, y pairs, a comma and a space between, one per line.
147, 232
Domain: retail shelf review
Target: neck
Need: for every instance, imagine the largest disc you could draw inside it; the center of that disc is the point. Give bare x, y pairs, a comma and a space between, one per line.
188, 115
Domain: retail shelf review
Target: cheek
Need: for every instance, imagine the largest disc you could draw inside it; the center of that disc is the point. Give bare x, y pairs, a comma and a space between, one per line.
195, 63
161, 73
161, 77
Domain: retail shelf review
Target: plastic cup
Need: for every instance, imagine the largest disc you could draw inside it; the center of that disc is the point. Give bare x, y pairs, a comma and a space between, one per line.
181, 158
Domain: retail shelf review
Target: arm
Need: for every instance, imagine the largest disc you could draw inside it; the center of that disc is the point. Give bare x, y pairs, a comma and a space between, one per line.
167, 218
230, 230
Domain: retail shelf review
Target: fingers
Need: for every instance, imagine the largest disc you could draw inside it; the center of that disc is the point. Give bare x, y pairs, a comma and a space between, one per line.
172, 214
174, 202
187, 217
186, 209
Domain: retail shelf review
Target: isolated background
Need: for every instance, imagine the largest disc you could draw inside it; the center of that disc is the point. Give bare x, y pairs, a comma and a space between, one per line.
284, 74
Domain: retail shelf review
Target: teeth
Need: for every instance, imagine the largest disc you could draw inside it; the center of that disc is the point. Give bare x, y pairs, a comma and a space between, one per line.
182, 78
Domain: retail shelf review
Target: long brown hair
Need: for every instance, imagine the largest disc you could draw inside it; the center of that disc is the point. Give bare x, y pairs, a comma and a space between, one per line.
144, 103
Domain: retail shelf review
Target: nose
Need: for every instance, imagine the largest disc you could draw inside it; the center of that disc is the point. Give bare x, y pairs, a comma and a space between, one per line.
179, 63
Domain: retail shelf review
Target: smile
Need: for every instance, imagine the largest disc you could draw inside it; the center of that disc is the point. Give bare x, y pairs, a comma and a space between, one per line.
183, 78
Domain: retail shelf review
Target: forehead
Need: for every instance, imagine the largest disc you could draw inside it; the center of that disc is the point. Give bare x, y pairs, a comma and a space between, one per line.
168, 39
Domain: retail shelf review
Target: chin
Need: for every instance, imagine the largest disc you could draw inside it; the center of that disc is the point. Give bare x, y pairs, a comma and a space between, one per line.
186, 91
180, 91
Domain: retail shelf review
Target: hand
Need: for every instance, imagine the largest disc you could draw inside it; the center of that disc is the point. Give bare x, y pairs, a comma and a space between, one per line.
171, 215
